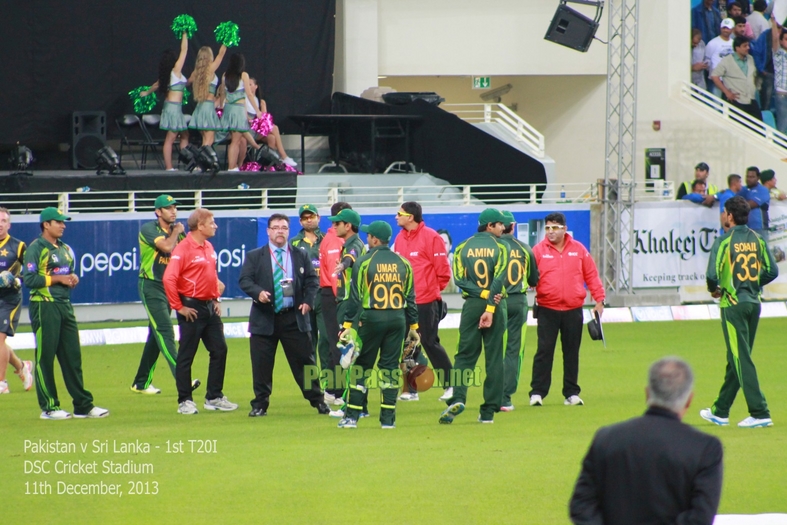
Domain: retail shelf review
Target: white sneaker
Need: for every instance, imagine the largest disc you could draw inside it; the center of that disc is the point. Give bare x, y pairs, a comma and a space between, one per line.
536, 401
55, 414
707, 415
507, 408
573, 400
347, 422
388, 427
336, 413
151, 390
409, 396
753, 422
485, 421
187, 408
289, 162
220, 403
4, 387
448, 394
95, 413
26, 374
234, 169
328, 398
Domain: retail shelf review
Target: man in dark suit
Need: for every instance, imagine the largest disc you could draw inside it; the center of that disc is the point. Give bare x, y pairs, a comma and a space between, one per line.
283, 284
653, 468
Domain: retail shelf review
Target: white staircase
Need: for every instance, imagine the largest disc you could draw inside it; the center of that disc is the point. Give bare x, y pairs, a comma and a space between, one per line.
502, 123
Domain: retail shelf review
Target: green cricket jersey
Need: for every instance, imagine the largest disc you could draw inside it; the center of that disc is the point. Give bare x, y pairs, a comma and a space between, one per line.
521, 271
353, 249
740, 264
312, 249
383, 281
480, 265
42, 261
12, 252
153, 261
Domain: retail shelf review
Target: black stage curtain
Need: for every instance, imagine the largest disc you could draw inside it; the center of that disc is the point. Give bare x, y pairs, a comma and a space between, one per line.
441, 144
61, 57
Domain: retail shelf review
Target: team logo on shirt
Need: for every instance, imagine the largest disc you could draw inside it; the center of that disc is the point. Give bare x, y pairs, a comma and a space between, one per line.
61, 270
32, 267
54, 258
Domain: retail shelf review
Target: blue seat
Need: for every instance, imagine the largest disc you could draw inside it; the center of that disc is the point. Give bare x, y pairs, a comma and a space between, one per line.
767, 118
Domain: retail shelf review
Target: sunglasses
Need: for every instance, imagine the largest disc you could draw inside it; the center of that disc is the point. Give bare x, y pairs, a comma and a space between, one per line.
554, 228
403, 214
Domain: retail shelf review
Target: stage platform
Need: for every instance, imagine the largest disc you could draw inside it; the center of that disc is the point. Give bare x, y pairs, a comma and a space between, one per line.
48, 184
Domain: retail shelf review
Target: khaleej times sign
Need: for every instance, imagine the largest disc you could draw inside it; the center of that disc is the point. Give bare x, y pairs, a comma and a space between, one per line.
672, 243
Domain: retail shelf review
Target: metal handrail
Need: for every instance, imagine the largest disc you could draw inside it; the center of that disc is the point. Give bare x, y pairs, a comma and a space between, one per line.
501, 114
362, 196
756, 129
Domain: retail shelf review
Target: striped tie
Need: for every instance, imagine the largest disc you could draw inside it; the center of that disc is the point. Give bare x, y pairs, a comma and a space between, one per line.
278, 276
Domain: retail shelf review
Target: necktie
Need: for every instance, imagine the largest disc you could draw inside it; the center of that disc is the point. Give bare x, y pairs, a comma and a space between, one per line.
278, 276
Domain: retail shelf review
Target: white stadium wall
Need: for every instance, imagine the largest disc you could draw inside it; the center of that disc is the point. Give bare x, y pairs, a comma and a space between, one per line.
439, 44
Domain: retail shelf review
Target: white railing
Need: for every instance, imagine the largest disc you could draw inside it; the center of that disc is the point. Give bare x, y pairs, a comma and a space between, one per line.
713, 105
501, 114
359, 196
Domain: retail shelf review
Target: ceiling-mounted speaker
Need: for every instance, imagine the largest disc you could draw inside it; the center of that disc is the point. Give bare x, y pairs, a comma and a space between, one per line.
571, 28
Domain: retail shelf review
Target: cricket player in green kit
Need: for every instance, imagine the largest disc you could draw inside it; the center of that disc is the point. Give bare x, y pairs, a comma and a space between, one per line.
382, 299
740, 265
49, 274
521, 273
346, 224
308, 240
480, 265
157, 239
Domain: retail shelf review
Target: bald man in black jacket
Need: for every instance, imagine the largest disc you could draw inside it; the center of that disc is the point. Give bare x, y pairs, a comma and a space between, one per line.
653, 468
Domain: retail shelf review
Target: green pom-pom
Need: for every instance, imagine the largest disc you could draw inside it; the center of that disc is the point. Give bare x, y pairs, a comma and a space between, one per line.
184, 24
186, 94
144, 104
227, 33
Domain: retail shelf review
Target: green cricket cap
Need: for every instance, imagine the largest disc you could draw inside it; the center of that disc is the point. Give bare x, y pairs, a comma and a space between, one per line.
766, 175
509, 218
311, 208
491, 215
347, 215
380, 229
162, 201
53, 214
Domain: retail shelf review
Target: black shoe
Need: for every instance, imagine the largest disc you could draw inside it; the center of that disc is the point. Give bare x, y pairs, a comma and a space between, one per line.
258, 412
322, 408
195, 384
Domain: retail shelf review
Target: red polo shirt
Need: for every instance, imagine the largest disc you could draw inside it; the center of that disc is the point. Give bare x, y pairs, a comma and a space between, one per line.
330, 252
563, 275
425, 250
191, 272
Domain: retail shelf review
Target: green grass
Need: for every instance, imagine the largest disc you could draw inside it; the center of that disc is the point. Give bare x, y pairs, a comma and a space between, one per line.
295, 466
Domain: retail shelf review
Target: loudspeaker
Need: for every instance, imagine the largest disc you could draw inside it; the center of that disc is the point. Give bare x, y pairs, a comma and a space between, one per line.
571, 29
88, 136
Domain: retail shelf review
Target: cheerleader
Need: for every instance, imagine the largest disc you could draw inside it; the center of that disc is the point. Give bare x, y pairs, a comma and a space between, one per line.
205, 82
237, 88
273, 137
170, 86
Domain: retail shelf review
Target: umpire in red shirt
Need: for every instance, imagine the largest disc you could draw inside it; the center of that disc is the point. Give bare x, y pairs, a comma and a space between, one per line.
192, 286
425, 250
565, 267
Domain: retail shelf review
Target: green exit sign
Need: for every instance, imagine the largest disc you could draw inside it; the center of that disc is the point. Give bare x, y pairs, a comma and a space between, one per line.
481, 82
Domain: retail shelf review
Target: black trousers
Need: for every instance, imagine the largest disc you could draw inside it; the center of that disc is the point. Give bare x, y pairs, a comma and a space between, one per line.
298, 350
329, 315
428, 321
209, 329
551, 322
